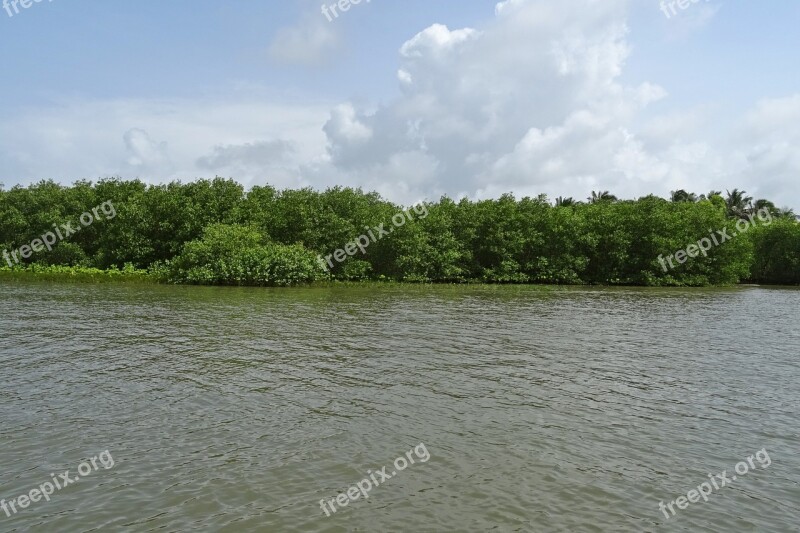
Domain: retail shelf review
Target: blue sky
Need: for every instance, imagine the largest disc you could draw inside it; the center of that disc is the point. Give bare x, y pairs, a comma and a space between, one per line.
414, 99
188, 48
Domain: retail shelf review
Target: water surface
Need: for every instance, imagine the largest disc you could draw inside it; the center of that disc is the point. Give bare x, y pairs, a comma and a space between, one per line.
542, 408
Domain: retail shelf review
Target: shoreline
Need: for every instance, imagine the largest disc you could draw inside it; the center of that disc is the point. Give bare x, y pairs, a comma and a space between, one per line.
89, 275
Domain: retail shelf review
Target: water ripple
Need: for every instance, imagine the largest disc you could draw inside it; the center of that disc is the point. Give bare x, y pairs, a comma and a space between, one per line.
544, 409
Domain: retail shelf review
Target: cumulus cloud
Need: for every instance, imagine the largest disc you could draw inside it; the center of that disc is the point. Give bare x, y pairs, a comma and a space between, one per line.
435, 39
529, 101
534, 102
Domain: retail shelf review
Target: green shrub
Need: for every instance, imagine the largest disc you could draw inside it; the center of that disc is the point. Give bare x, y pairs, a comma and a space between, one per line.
236, 255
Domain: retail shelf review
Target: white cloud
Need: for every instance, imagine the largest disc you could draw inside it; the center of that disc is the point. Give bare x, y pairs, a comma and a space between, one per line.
437, 39
250, 155
534, 103
144, 151
345, 127
532, 100
160, 141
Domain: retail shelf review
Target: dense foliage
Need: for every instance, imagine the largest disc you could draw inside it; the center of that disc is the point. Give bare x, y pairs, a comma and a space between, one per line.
239, 255
213, 232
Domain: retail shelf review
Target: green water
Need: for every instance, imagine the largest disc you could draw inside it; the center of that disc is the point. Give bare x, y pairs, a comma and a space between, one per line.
542, 409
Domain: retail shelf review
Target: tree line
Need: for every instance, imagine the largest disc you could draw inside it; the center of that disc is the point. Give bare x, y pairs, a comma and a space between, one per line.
215, 232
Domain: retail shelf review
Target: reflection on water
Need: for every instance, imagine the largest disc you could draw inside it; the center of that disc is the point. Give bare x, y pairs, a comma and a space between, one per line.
544, 409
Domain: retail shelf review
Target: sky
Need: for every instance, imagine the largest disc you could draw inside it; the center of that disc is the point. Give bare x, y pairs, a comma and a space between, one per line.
414, 99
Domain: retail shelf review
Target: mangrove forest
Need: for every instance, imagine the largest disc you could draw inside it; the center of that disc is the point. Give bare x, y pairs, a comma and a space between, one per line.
216, 232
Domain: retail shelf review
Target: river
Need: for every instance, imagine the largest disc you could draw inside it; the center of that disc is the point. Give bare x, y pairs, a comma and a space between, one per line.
538, 408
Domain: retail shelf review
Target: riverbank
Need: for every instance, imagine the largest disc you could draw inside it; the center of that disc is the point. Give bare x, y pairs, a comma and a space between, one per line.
77, 274
132, 275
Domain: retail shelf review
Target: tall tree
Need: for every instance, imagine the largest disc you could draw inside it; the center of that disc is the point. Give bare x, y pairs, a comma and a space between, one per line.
738, 203
601, 196
565, 202
682, 196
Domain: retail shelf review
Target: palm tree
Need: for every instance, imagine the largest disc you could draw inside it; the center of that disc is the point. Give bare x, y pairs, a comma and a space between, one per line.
565, 202
601, 196
760, 204
710, 195
683, 196
738, 204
